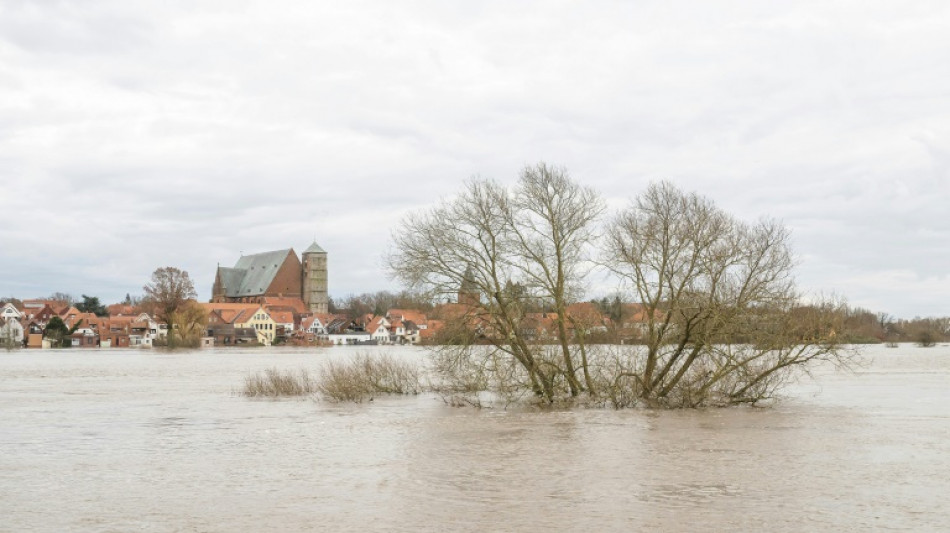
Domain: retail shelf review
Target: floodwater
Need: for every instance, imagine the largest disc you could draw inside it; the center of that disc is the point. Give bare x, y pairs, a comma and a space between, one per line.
117, 440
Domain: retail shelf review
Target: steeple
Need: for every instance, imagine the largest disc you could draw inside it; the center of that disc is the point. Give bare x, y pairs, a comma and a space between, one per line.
468, 290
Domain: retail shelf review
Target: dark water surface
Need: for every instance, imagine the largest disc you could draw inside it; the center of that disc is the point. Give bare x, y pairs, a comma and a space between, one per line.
118, 440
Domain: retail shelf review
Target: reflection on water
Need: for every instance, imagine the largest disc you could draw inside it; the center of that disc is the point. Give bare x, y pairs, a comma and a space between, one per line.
126, 440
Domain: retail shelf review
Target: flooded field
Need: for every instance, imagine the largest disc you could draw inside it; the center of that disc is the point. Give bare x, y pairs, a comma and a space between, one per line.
117, 440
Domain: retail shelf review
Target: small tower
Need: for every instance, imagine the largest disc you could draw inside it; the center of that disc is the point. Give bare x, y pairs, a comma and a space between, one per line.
315, 295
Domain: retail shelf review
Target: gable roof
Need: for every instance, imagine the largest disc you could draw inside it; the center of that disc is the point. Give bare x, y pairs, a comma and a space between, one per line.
11, 310
376, 324
321, 319
69, 311
253, 274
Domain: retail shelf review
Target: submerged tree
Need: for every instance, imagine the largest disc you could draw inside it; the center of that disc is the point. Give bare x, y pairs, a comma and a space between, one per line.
552, 221
509, 250
722, 316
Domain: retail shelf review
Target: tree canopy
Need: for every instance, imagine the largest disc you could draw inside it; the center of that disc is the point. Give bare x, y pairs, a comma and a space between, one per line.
91, 304
169, 289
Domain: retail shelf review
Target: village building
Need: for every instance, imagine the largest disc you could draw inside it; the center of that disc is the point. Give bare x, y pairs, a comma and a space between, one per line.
228, 318
278, 274
317, 325
11, 332
378, 330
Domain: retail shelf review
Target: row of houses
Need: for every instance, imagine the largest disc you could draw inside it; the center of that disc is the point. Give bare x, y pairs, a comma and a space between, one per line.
276, 320
27, 325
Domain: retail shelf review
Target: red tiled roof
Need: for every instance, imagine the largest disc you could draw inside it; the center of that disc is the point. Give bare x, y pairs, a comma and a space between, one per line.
282, 317
407, 314
296, 304
232, 312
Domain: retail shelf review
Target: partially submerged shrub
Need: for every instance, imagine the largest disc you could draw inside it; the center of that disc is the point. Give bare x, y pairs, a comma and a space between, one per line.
476, 375
275, 383
926, 339
725, 375
366, 376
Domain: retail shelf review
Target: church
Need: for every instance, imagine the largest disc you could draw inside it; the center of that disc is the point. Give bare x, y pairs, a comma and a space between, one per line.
276, 274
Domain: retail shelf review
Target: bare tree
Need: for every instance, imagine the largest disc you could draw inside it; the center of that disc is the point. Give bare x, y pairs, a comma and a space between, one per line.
519, 250
723, 323
467, 242
170, 289
553, 221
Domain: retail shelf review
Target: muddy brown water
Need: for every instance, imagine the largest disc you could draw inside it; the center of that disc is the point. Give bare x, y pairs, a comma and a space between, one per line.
117, 440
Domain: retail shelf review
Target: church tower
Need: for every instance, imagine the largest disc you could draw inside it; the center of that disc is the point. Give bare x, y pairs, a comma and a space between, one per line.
315, 295
468, 291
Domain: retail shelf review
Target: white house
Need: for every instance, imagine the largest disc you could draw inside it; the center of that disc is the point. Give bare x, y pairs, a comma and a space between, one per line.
317, 324
11, 331
145, 330
313, 324
378, 330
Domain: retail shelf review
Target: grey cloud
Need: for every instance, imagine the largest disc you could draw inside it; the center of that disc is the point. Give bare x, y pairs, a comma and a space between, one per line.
169, 133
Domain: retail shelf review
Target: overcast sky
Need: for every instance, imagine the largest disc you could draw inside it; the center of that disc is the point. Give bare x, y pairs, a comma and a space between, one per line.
135, 135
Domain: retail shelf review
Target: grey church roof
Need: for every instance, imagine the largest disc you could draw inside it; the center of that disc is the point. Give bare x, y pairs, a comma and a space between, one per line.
314, 249
252, 274
231, 279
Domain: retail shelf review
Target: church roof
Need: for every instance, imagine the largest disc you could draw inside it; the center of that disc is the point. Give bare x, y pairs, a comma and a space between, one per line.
253, 274
231, 279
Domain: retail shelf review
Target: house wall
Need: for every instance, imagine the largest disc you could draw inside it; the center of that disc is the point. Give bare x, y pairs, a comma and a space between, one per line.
11, 330
348, 338
262, 323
